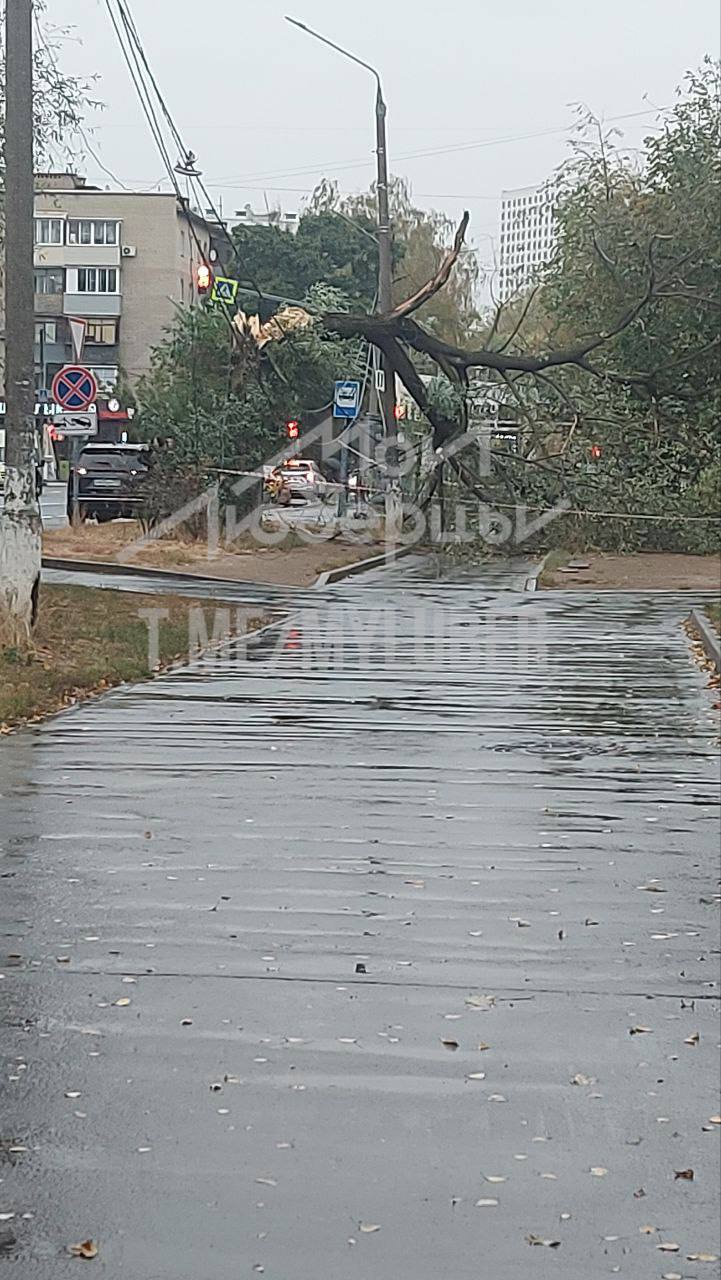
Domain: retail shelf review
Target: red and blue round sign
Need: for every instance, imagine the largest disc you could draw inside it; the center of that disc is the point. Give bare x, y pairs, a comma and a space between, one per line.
74, 388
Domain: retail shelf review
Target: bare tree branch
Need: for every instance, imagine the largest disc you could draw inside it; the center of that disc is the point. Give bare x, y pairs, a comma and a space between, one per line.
441, 278
519, 324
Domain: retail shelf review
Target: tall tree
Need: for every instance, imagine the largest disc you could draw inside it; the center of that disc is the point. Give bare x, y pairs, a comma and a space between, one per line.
45, 111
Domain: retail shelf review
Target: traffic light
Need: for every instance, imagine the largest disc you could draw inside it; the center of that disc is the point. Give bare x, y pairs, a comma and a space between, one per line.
203, 277
292, 429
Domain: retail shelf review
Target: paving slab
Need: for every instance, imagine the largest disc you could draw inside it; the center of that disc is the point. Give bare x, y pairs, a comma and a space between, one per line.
378, 949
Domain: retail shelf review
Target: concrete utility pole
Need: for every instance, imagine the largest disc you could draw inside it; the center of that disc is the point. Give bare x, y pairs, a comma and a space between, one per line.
387, 395
20, 520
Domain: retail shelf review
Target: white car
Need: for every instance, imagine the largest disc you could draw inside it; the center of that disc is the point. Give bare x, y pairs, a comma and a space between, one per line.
303, 479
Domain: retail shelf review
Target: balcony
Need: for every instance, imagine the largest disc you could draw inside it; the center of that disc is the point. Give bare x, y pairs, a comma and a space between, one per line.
92, 305
77, 255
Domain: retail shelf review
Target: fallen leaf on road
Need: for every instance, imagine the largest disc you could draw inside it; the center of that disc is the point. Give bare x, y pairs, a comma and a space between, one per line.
684, 1173
86, 1249
640, 1031
693, 1039
476, 1075
482, 1047
368, 1227
122, 1002
486, 1204
493, 1177
667, 1247
547, 1244
599, 1172
702, 1257
480, 1002
714, 1119
580, 1079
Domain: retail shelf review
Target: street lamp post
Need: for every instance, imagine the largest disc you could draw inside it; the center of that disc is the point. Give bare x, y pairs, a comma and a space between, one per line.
385, 264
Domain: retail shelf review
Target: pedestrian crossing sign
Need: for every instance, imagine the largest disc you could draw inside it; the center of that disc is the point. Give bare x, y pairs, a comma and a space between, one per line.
224, 290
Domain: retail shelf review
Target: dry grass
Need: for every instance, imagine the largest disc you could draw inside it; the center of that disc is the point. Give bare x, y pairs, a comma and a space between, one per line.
87, 640
295, 562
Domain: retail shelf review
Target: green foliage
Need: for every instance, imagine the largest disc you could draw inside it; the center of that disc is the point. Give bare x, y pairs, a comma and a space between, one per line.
220, 402
326, 248
336, 245
60, 101
650, 398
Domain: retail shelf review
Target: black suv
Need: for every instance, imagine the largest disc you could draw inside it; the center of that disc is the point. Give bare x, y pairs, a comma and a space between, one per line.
109, 480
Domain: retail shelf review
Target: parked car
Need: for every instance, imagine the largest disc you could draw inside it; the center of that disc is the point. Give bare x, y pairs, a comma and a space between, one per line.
303, 479
109, 480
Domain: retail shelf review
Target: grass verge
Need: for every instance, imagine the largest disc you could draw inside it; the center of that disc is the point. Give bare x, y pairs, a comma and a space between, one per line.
87, 640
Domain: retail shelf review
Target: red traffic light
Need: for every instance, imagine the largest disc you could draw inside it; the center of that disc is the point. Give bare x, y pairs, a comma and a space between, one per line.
292, 429
203, 278
596, 451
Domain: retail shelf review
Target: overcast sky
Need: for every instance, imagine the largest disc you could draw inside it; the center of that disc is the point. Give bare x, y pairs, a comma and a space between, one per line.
269, 111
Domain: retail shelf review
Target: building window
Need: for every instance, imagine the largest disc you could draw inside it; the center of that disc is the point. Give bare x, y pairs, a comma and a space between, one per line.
48, 231
92, 231
106, 374
49, 280
97, 280
103, 333
46, 331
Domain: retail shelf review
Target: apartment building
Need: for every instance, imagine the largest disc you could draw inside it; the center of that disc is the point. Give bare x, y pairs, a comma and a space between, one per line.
527, 236
250, 217
121, 261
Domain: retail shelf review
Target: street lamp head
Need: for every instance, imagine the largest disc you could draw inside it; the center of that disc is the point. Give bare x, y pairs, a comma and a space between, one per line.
339, 49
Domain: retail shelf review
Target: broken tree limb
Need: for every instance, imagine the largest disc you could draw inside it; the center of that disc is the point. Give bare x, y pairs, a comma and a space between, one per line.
437, 282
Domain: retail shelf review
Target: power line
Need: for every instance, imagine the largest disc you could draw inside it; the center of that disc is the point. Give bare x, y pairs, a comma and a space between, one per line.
144, 99
478, 144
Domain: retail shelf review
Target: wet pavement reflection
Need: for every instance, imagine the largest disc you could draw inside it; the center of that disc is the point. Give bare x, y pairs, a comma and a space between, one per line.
385, 946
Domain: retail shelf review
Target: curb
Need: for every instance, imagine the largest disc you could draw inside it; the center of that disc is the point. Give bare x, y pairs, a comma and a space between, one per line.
361, 566
159, 575
710, 640
532, 581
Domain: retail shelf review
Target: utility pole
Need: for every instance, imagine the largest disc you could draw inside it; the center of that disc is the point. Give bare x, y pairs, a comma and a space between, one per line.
385, 254
20, 520
386, 378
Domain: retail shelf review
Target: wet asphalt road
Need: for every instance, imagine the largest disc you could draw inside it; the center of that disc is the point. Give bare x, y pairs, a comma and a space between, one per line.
423, 812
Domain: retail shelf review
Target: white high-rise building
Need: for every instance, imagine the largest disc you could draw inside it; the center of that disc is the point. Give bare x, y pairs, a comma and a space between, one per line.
527, 236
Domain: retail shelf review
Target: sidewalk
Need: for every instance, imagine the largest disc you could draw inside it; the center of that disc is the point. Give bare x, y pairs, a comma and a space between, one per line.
374, 952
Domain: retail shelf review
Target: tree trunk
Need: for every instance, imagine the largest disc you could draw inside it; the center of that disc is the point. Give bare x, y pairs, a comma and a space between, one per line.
19, 557
20, 521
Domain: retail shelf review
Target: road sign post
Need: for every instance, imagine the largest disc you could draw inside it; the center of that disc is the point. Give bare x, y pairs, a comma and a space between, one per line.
346, 399
74, 388
346, 407
76, 424
224, 290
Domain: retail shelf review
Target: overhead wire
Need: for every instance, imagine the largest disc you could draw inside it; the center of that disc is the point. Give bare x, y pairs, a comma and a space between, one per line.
478, 144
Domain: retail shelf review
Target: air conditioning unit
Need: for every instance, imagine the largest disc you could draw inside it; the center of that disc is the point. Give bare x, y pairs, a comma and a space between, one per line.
128, 251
